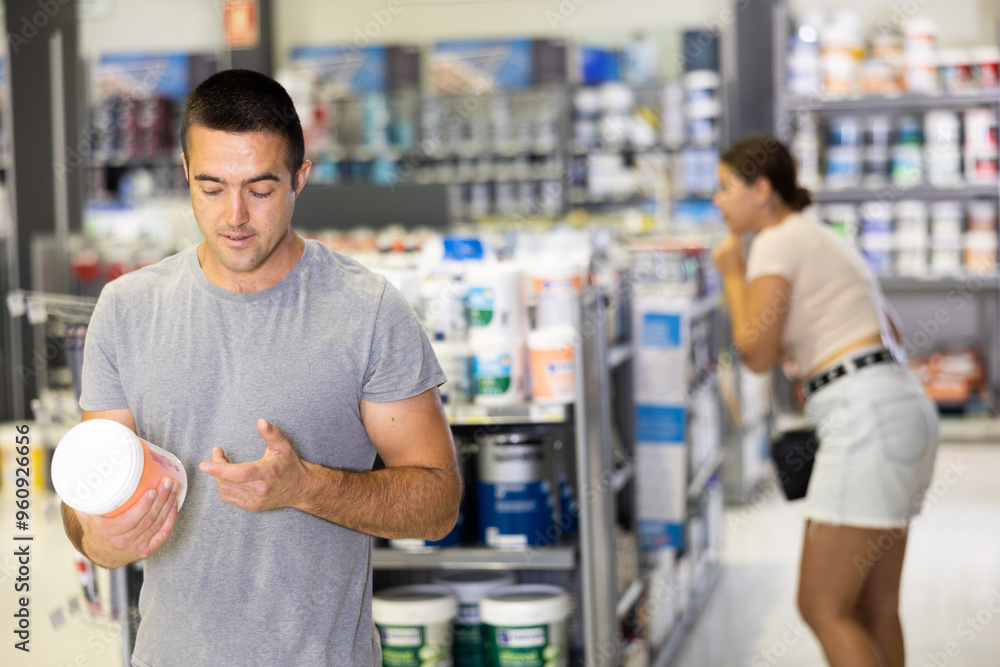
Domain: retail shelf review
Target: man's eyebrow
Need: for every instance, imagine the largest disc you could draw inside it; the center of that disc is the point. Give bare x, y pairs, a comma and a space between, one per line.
266, 176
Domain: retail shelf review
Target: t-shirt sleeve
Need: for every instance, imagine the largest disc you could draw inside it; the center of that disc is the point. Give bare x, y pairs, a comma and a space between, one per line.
771, 255
401, 363
101, 385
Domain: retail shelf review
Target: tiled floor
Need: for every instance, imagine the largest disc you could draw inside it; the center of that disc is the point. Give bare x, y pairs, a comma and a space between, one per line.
951, 575
951, 578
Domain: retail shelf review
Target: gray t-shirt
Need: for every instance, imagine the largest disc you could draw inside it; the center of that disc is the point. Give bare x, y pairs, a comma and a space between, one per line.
197, 366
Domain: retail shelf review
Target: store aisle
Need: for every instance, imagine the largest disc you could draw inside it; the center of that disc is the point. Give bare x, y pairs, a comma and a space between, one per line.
951, 585
64, 632
951, 580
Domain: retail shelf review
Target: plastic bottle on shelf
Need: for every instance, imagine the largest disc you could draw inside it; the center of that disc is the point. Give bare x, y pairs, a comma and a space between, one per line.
907, 153
875, 161
806, 149
985, 71
804, 65
843, 153
942, 149
946, 237
911, 238
876, 238
981, 150
954, 70
920, 36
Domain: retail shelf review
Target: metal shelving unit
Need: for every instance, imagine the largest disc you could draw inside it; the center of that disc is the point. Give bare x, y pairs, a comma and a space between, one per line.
598, 480
553, 557
915, 299
924, 192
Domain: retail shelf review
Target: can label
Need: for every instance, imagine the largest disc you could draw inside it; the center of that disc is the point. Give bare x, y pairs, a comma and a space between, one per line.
480, 304
522, 647
492, 374
412, 647
468, 637
516, 514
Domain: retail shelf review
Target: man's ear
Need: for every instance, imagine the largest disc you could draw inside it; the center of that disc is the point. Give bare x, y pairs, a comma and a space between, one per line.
301, 176
185, 163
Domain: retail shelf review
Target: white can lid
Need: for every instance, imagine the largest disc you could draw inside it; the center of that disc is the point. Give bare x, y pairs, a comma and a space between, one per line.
524, 605
420, 604
471, 585
701, 79
97, 466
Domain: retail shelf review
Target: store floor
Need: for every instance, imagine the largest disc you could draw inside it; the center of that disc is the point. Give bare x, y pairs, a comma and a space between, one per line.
950, 604
952, 577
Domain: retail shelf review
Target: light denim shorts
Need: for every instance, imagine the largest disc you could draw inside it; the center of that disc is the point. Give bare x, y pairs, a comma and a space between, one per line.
878, 435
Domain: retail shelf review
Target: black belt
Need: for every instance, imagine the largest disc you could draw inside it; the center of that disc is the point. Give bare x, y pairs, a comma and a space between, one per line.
849, 366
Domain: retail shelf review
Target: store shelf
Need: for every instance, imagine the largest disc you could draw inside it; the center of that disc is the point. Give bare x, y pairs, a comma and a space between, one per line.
896, 192
901, 102
704, 306
521, 413
628, 599
967, 283
621, 477
704, 474
702, 591
619, 354
552, 557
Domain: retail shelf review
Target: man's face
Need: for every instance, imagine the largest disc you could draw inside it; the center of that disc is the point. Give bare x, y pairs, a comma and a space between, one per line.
242, 195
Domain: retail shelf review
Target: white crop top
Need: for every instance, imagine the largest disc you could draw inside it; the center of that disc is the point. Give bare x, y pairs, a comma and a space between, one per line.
835, 300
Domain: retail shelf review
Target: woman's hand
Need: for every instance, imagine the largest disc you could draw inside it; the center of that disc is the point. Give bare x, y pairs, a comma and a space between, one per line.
728, 256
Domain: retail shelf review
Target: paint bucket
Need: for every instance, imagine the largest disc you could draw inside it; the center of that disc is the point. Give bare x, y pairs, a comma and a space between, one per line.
497, 370
455, 358
470, 586
516, 498
556, 294
552, 363
525, 625
494, 304
102, 467
415, 625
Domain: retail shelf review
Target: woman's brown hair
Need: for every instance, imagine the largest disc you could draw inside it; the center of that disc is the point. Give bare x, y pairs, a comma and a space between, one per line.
763, 155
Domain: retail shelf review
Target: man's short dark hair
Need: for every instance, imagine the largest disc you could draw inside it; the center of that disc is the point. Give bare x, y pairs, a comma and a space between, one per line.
240, 100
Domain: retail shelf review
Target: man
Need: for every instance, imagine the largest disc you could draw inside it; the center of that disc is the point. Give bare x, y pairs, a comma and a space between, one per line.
283, 368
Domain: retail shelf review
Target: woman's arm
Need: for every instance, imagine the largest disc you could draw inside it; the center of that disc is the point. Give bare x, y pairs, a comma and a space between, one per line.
757, 312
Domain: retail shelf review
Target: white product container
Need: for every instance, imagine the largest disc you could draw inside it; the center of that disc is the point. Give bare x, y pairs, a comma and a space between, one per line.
525, 626
455, 358
946, 221
552, 362
556, 292
982, 216
980, 252
498, 369
102, 467
470, 586
494, 302
442, 308
415, 624
985, 66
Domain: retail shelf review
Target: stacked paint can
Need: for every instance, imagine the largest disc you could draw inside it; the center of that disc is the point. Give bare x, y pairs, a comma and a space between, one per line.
495, 312
946, 238
415, 624
981, 237
517, 501
525, 626
470, 586
875, 237
981, 150
911, 238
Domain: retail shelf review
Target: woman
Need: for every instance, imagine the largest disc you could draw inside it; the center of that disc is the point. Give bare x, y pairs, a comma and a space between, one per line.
805, 292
